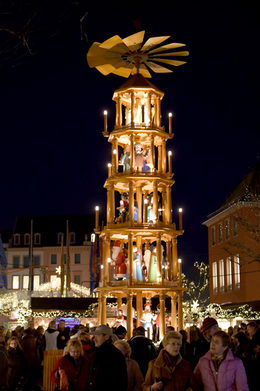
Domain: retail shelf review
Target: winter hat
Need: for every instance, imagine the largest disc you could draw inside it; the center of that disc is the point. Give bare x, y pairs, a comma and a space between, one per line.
208, 323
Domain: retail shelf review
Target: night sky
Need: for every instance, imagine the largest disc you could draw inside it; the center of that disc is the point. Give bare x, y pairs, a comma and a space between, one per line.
53, 155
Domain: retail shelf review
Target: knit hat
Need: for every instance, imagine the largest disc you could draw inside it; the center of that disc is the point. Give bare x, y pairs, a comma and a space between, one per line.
208, 323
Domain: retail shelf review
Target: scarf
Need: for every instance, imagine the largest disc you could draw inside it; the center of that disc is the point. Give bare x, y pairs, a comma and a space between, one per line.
170, 360
217, 360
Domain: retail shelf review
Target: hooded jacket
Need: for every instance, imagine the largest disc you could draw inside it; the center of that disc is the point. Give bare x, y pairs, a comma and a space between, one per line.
51, 339
231, 375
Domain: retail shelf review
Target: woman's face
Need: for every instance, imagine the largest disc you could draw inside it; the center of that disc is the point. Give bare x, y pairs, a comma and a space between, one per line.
75, 353
13, 344
216, 346
173, 346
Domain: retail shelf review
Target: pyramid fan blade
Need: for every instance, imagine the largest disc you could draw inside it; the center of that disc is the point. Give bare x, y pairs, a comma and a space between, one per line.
144, 71
124, 72
173, 45
157, 68
176, 63
133, 42
105, 69
151, 42
180, 54
120, 48
109, 43
98, 56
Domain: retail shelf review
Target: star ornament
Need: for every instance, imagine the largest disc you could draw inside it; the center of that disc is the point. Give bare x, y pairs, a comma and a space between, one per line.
125, 57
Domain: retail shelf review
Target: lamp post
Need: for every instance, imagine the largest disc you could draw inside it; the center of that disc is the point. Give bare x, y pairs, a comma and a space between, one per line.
170, 162
109, 166
97, 218
180, 218
105, 121
170, 123
180, 269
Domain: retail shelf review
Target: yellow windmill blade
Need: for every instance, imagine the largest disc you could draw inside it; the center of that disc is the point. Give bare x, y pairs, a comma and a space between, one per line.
180, 54
151, 42
98, 56
105, 69
157, 68
176, 63
110, 42
123, 71
134, 41
173, 45
144, 71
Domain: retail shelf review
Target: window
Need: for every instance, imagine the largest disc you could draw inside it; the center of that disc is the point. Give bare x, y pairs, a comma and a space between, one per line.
215, 277
60, 237
36, 282
37, 238
229, 274
16, 261
213, 236
17, 239
220, 232
16, 282
227, 229
26, 261
77, 279
221, 276
53, 278
237, 271
26, 239
53, 259
25, 282
72, 237
37, 260
235, 225
77, 258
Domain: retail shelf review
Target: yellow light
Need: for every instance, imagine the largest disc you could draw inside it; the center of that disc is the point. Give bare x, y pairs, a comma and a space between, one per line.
169, 153
105, 112
170, 115
114, 151
179, 260
146, 201
101, 266
109, 165
108, 260
180, 210
96, 207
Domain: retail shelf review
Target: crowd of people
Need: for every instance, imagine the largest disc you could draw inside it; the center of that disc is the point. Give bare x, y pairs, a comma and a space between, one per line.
102, 358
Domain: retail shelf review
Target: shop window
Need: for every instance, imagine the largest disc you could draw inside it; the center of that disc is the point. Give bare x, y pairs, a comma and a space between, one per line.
16, 282
25, 282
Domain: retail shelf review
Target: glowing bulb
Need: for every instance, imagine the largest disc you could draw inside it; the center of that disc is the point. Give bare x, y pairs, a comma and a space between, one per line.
169, 153
180, 210
170, 114
108, 260
96, 207
114, 151
101, 266
109, 165
179, 260
146, 201
105, 112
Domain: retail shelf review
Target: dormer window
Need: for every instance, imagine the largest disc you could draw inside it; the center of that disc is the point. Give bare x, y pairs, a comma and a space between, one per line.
60, 237
37, 238
72, 237
26, 239
17, 239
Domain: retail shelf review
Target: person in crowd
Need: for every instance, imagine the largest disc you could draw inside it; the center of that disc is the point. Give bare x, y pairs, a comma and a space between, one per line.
167, 330
71, 371
51, 335
253, 356
240, 346
120, 332
134, 374
32, 359
230, 331
3, 362
87, 344
201, 346
185, 349
63, 335
169, 371
218, 369
16, 363
31, 327
108, 369
143, 350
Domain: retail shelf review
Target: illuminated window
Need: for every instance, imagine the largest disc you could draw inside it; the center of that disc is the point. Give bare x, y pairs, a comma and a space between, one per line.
77, 279
17, 239
221, 276
26, 261
16, 282
237, 271
16, 261
229, 274
36, 282
227, 229
53, 277
215, 277
213, 236
53, 259
220, 232
77, 258
37, 238
25, 282
26, 239
235, 225
72, 237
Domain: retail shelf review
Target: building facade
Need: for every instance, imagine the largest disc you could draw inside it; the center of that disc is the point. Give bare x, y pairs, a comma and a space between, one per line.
49, 232
234, 245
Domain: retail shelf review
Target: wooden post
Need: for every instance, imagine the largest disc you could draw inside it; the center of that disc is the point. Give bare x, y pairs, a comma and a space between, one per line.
139, 201
170, 123
132, 108
129, 316
103, 310
120, 112
130, 259
174, 258
169, 260
159, 256
117, 111
131, 202
145, 204
169, 205
152, 154
132, 153
164, 156
149, 109
160, 158
155, 201
162, 316
139, 308
99, 307
173, 311
180, 312
180, 219
170, 162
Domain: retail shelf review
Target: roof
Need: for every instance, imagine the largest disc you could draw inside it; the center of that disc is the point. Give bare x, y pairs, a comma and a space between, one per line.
50, 226
247, 191
137, 81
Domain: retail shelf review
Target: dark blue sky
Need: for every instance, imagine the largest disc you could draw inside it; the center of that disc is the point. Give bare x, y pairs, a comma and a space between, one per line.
53, 155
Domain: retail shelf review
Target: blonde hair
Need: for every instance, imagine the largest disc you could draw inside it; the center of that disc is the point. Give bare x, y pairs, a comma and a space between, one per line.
74, 343
125, 347
171, 335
